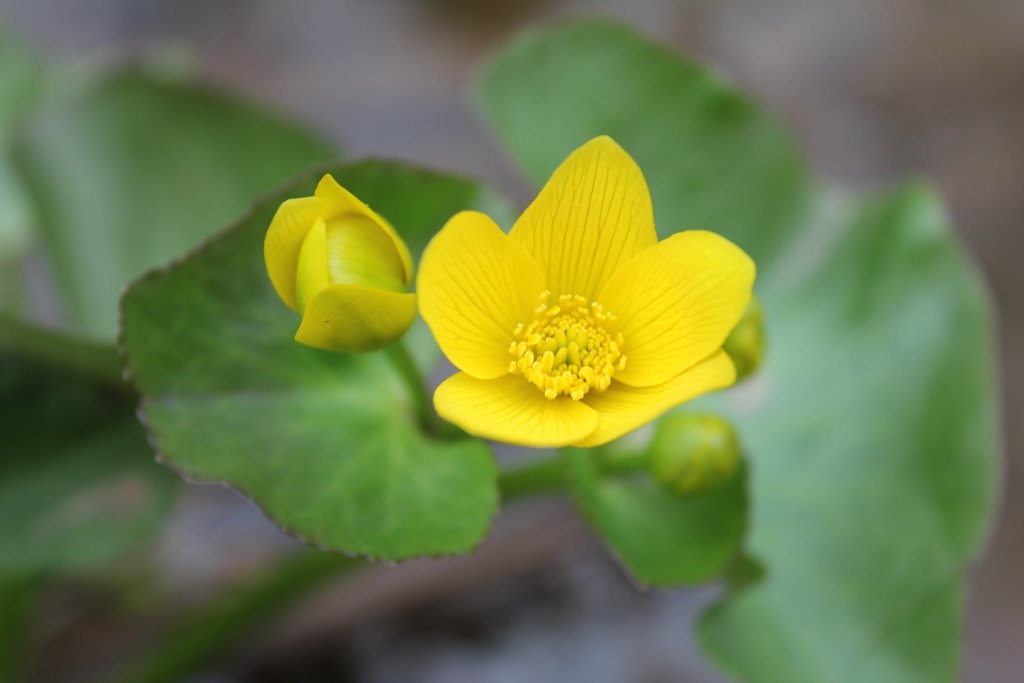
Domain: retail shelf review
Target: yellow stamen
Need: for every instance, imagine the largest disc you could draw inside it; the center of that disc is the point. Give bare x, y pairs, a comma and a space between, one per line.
566, 350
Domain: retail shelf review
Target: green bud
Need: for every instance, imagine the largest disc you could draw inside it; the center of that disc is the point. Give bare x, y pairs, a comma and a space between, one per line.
694, 453
745, 345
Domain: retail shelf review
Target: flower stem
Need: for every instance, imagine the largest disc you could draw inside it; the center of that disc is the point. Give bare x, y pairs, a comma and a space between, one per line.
215, 627
547, 475
402, 361
542, 476
82, 357
18, 599
625, 462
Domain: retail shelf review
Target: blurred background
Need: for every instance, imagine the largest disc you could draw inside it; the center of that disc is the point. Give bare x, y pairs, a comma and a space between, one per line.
874, 90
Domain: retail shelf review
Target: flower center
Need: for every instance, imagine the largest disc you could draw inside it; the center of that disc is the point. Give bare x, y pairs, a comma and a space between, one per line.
566, 350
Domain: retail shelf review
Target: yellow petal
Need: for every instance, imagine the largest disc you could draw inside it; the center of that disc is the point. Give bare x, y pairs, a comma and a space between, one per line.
329, 188
592, 215
475, 285
622, 408
358, 252
676, 303
512, 410
288, 229
353, 318
311, 273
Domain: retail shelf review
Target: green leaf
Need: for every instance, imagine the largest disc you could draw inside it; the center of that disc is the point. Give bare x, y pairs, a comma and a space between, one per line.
77, 485
378, 183
663, 538
133, 170
16, 217
870, 428
723, 165
325, 443
21, 79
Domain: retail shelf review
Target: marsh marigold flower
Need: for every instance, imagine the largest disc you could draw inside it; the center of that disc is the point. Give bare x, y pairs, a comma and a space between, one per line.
578, 325
341, 266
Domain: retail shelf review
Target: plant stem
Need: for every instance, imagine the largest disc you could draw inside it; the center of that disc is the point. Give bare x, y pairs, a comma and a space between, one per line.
217, 626
402, 361
83, 357
545, 475
18, 596
622, 462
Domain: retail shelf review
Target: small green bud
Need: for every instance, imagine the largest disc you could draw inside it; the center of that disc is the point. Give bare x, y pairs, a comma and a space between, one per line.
746, 343
694, 453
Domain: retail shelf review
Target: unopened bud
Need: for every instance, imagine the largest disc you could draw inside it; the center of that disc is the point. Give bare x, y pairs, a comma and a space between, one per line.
343, 267
745, 345
694, 453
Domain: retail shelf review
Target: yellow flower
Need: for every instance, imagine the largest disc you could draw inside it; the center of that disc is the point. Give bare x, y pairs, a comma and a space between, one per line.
343, 268
578, 325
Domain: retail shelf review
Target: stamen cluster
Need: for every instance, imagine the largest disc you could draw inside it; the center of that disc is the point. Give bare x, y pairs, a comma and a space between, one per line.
566, 350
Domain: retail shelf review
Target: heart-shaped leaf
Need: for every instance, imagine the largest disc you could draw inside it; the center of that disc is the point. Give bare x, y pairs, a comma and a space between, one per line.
663, 538
326, 443
871, 427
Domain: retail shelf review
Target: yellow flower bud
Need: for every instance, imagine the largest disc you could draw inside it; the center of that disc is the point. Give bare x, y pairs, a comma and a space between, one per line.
745, 344
694, 453
343, 268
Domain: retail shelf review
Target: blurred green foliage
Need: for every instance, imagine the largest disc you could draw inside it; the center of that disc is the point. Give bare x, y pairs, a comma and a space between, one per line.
124, 171
131, 170
76, 487
870, 429
21, 81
